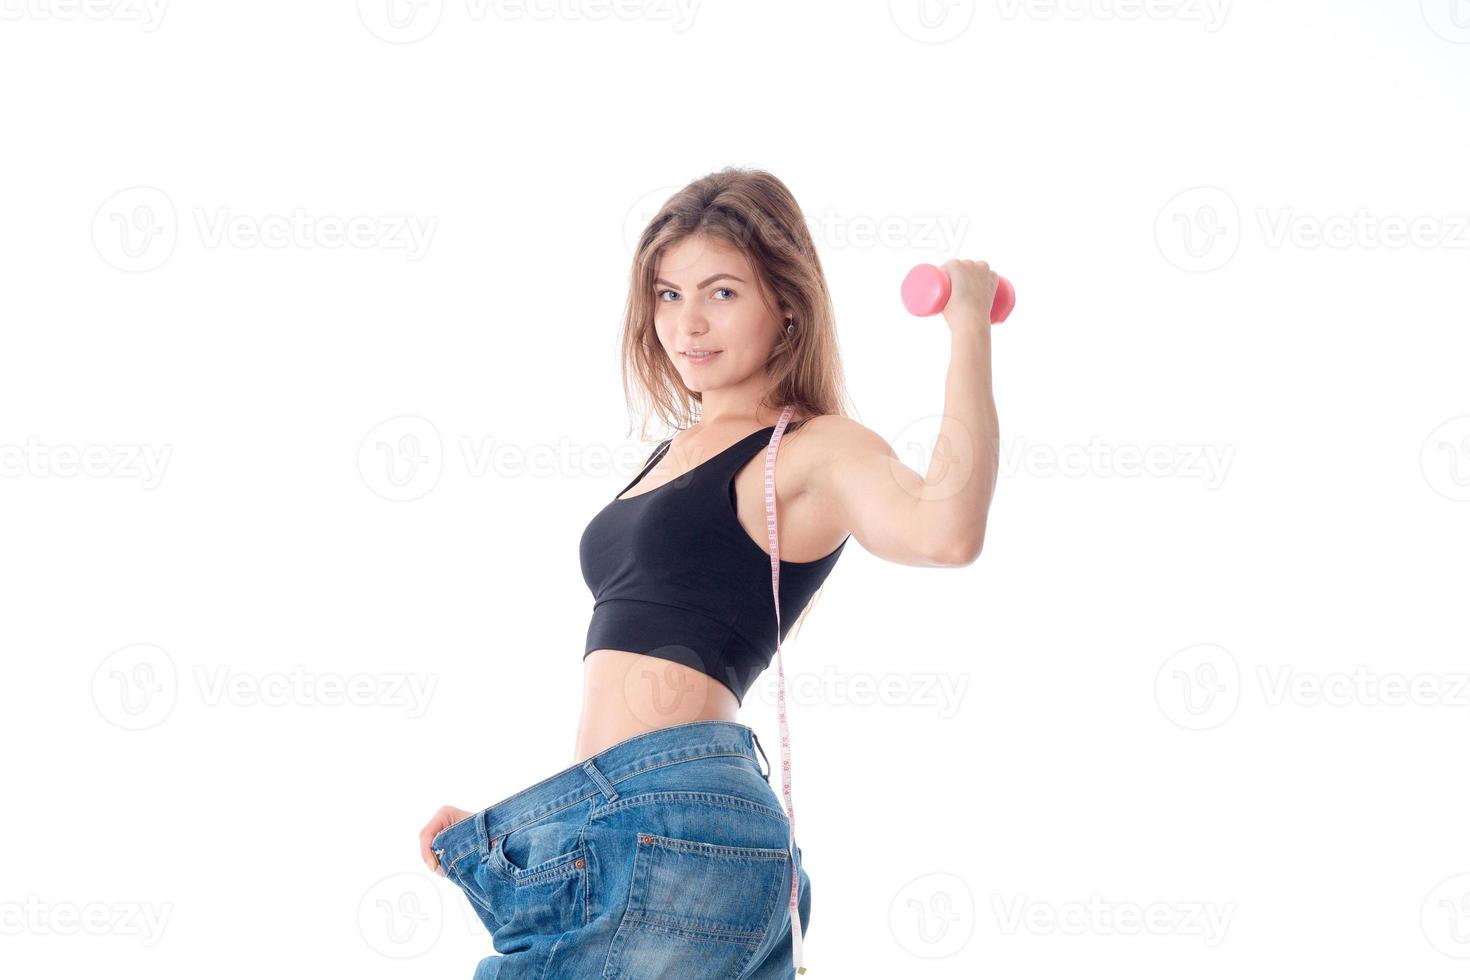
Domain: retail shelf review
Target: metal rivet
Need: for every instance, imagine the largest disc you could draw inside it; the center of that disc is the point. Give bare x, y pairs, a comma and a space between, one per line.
646, 839
580, 862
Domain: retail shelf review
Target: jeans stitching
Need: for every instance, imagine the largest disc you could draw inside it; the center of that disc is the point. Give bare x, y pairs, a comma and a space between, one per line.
684, 796
672, 762
597, 791
453, 865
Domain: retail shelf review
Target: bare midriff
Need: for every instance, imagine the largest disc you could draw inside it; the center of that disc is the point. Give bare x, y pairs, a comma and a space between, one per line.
626, 694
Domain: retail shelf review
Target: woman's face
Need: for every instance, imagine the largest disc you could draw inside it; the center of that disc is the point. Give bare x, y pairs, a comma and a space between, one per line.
706, 298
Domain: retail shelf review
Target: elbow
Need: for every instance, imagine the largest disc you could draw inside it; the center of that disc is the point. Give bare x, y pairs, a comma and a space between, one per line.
962, 552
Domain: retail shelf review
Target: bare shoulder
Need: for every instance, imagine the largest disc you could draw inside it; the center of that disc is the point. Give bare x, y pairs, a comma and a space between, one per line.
828, 448
833, 438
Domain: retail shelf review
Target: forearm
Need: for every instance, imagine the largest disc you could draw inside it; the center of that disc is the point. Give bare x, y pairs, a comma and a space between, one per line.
962, 471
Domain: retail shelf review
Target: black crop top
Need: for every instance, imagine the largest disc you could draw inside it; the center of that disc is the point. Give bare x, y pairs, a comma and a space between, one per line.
674, 574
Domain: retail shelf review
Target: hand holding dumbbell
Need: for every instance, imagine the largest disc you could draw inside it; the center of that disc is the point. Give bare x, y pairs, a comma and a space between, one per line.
926, 291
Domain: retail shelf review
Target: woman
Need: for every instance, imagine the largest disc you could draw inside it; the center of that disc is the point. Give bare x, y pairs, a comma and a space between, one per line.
663, 850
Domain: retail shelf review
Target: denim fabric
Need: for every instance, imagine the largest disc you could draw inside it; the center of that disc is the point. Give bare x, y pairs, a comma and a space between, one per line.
664, 855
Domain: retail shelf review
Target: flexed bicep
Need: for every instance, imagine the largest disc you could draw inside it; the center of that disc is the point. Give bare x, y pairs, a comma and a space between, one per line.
889, 508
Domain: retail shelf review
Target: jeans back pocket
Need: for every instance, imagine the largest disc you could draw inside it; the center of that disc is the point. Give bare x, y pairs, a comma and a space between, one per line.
696, 910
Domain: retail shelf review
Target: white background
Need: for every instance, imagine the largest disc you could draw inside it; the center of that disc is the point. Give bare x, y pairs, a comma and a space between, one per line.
1133, 717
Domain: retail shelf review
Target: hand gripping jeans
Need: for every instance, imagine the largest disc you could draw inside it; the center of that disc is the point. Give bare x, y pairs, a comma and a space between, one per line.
664, 855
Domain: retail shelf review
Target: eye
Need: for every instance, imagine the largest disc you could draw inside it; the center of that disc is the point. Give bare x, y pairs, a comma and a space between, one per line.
726, 289
661, 292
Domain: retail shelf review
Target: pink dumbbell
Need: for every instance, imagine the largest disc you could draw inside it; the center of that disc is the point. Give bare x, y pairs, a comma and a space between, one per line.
926, 292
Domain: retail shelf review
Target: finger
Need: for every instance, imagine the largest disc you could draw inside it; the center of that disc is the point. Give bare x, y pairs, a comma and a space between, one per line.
426, 842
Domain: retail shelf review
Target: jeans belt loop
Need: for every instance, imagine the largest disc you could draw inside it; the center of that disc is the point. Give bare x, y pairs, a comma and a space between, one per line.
767, 774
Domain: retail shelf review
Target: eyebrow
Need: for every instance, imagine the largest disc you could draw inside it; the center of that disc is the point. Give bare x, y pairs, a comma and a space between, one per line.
717, 275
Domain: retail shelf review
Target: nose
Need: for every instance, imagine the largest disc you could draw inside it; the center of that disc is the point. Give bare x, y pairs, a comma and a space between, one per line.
691, 322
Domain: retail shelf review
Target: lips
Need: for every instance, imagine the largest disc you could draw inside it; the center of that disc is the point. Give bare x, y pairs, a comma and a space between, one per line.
699, 358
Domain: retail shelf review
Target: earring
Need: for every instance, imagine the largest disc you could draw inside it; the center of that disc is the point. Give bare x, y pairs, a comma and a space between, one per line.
790, 326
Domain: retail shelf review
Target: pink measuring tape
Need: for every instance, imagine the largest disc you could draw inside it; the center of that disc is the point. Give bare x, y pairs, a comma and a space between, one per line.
775, 545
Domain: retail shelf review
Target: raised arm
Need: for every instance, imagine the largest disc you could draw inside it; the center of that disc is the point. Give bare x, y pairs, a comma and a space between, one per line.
937, 519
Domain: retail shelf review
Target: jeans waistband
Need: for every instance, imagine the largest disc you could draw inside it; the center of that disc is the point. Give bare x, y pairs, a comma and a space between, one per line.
599, 775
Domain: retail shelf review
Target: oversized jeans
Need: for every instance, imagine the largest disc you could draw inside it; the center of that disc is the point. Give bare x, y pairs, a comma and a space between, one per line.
664, 855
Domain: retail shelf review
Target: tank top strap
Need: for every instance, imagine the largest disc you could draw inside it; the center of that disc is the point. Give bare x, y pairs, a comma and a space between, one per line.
653, 458
720, 468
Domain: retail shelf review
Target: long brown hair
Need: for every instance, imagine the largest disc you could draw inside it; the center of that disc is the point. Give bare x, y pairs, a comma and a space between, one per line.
754, 212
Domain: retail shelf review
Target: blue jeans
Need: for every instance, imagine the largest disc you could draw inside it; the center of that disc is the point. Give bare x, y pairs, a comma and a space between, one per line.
664, 855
